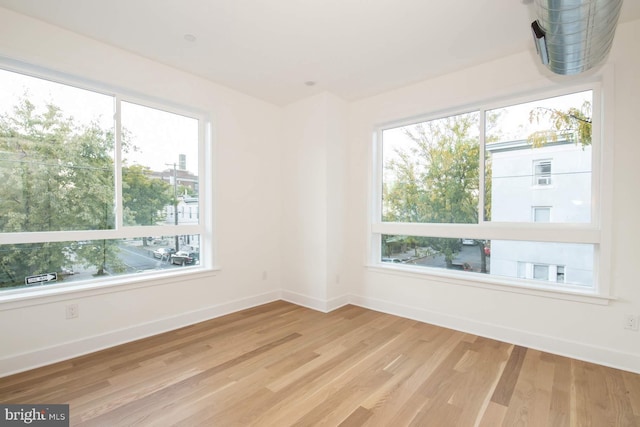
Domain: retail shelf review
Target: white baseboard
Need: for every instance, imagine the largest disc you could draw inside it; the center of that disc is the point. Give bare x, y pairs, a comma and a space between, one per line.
46, 356
338, 302
576, 350
313, 303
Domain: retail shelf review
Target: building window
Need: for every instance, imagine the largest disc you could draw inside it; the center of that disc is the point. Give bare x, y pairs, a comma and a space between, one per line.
85, 196
528, 270
560, 274
541, 214
542, 172
540, 272
466, 177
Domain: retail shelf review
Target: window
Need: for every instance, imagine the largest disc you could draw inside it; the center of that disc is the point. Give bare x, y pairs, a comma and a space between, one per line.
95, 186
541, 214
540, 272
542, 172
528, 270
522, 270
455, 193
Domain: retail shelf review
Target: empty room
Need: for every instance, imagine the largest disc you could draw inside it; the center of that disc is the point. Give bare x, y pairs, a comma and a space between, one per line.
286, 212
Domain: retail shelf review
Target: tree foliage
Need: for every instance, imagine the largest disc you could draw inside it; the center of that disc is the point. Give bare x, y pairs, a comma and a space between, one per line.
435, 179
143, 196
571, 123
48, 165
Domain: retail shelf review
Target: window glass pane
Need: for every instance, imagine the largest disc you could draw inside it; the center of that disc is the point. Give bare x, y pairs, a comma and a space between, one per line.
522, 270
541, 214
160, 167
56, 156
430, 171
556, 263
454, 254
40, 264
539, 153
541, 272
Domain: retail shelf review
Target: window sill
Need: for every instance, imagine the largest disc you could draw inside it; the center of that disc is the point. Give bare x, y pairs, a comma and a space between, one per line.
478, 280
25, 297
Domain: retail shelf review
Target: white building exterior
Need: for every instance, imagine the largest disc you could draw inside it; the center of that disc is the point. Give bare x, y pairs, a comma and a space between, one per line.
546, 184
188, 213
187, 210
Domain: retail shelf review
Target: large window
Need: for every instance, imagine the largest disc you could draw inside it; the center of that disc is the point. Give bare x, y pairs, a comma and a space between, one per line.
95, 185
474, 192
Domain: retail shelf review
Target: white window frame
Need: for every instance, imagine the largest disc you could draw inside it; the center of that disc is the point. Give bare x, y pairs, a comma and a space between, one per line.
597, 232
205, 209
542, 179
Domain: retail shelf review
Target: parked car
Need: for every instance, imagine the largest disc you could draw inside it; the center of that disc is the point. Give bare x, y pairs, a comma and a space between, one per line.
184, 258
163, 252
469, 242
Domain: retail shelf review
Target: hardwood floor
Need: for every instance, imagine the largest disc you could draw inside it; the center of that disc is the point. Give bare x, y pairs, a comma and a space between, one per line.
280, 364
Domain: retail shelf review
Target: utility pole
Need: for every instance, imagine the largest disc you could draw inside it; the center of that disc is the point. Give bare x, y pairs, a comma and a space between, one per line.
175, 200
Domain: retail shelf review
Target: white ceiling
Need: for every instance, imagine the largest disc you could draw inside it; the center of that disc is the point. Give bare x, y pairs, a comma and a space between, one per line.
270, 48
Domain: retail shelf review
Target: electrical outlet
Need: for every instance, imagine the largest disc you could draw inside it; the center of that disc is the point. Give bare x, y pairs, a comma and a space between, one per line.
264, 275
71, 311
631, 322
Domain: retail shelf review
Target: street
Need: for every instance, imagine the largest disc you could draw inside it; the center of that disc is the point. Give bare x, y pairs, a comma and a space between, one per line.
468, 254
135, 258
141, 259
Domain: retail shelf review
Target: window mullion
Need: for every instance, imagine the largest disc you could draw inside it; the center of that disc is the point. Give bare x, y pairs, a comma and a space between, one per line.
481, 164
523, 232
117, 164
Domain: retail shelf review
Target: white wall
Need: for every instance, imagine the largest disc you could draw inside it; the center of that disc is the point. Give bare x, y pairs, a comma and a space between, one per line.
582, 330
248, 178
314, 165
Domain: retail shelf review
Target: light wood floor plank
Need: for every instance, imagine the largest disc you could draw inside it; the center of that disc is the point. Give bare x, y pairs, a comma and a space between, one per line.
283, 365
493, 416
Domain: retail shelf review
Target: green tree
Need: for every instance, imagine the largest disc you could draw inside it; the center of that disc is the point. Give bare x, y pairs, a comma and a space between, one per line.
144, 197
47, 163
